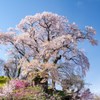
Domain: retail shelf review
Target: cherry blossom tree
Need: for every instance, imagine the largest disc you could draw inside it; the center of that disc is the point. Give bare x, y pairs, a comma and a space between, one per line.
96, 97
46, 47
86, 95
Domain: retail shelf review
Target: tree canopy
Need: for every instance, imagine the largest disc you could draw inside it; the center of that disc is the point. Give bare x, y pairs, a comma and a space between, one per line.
45, 46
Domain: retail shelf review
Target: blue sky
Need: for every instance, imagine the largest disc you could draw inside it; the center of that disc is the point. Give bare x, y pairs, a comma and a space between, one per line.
82, 12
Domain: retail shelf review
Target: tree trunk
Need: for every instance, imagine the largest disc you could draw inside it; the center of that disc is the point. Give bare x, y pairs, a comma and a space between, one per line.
53, 85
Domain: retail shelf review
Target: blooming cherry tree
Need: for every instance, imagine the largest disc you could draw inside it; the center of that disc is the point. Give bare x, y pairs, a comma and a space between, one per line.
46, 44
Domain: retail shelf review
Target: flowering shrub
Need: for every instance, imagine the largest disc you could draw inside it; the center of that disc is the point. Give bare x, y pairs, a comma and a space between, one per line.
87, 95
31, 93
8, 88
20, 84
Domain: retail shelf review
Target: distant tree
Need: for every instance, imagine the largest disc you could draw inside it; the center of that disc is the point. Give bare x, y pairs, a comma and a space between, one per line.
1, 66
46, 45
86, 95
96, 97
11, 68
73, 84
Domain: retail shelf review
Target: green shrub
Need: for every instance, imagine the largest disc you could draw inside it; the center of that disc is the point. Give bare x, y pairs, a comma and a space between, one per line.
3, 80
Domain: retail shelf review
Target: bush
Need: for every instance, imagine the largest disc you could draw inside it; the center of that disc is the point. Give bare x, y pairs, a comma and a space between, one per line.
3, 80
20, 83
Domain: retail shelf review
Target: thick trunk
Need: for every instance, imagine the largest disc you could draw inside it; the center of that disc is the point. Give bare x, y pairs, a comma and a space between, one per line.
53, 85
44, 85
